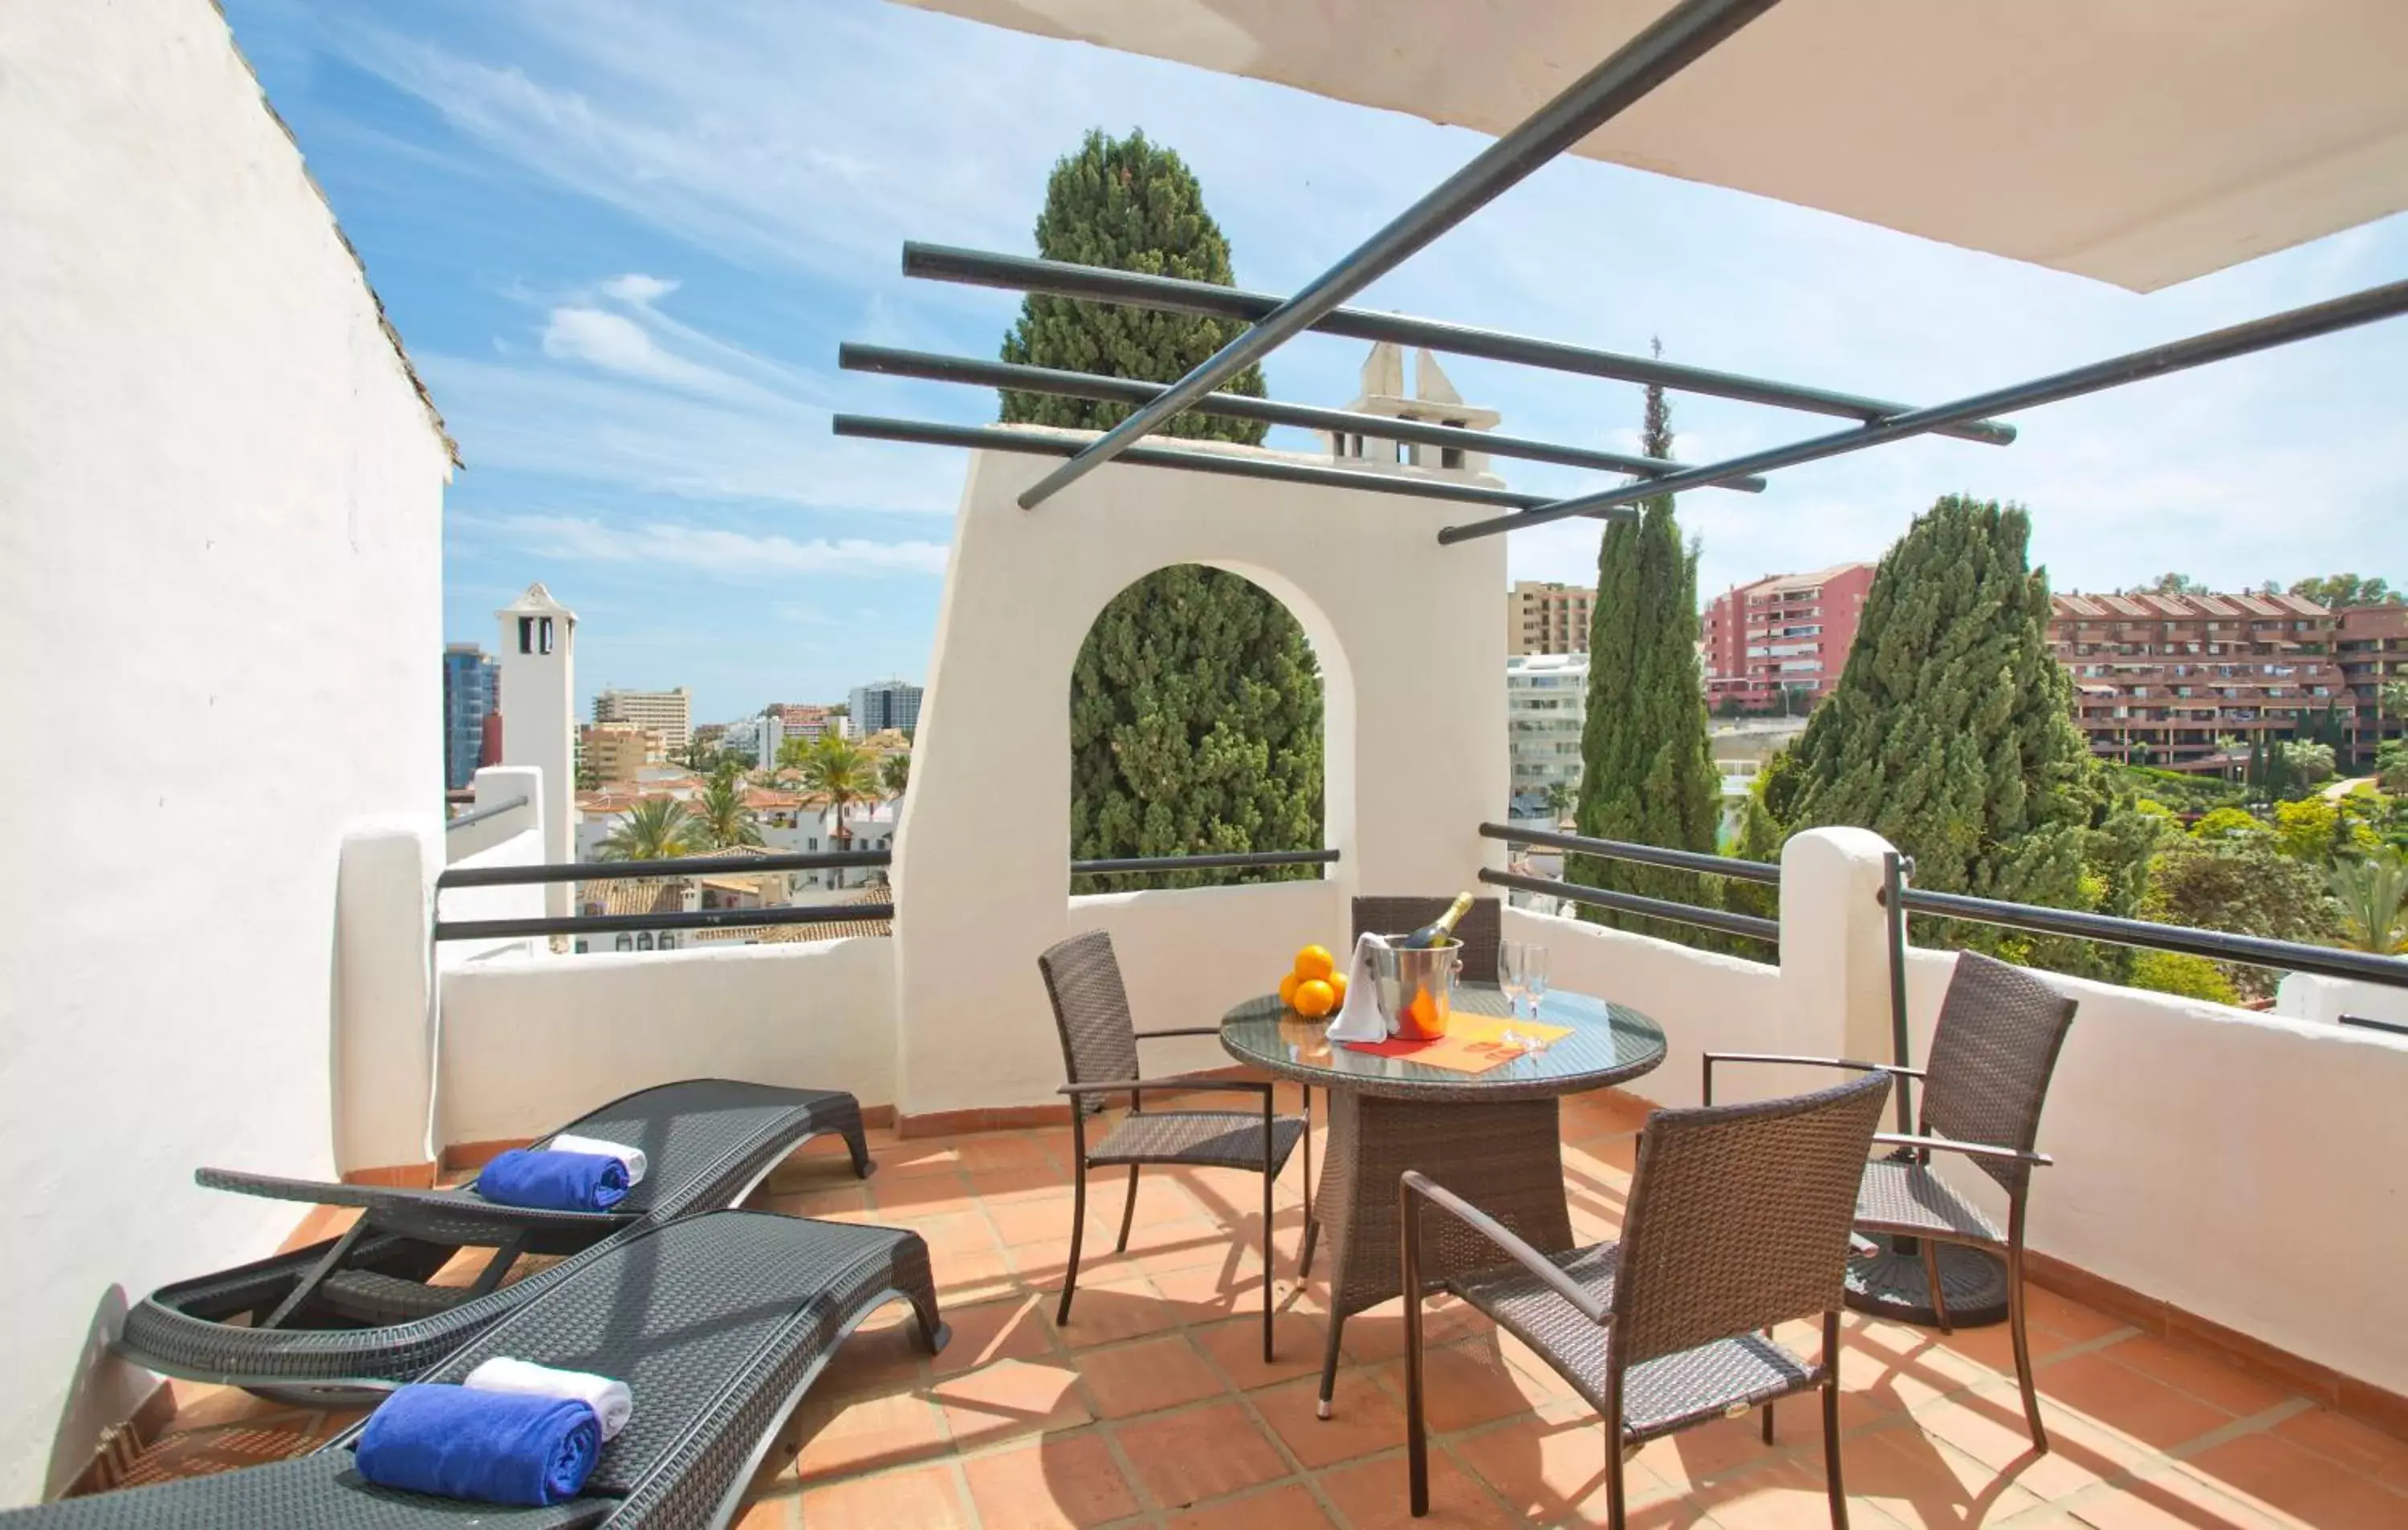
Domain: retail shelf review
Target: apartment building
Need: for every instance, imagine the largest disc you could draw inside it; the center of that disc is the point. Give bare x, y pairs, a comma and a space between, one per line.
1544, 617
1783, 639
472, 691
2371, 645
2158, 679
618, 751
888, 704
801, 720
1546, 703
670, 711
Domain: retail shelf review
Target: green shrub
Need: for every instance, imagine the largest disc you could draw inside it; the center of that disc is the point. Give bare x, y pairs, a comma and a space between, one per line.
2188, 977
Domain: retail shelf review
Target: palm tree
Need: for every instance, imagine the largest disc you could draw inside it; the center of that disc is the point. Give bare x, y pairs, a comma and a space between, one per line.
654, 829
841, 772
2373, 897
895, 773
720, 818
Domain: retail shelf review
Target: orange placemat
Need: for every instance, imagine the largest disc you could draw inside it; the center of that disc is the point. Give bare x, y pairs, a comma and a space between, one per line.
1471, 1044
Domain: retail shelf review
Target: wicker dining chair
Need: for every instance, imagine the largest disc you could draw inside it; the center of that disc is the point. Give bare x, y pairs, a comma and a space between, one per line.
1099, 1039
1993, 1053
1737, 1221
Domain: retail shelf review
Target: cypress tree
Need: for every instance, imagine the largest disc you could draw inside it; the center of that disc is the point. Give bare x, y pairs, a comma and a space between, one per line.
1951, 731
1194, 702
1647, 771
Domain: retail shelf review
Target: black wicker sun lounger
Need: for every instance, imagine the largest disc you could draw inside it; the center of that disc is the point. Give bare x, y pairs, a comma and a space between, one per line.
355, 1314
719, 1324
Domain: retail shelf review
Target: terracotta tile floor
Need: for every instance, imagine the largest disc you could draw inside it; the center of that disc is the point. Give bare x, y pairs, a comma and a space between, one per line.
1153, 1407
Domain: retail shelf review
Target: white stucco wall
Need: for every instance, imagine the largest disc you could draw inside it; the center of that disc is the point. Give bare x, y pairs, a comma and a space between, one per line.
531, 1042
220, 508
1415, 724
2244, 1166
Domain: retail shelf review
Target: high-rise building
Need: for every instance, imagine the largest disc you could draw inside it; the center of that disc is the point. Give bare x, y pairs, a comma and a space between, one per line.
888, 704
2372, 645
472, 689
670, 711
1783, 640
2160, 679
1546, 701
1547, 617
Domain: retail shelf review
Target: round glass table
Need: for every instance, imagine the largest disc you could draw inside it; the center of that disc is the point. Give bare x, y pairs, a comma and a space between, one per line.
1493, 1138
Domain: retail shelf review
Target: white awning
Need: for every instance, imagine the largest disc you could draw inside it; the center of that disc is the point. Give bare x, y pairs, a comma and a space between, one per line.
2141, 142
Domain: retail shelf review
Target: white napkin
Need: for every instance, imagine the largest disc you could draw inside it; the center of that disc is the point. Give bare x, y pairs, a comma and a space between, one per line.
1360, 1018
632, 1157
611, 1402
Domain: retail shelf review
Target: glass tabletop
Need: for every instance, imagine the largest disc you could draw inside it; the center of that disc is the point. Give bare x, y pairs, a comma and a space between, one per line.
1609, 1042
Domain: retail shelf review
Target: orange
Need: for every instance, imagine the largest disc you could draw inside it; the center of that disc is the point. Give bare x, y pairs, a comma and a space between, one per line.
1314, 961
1287, 988
1337, 982
1314, 998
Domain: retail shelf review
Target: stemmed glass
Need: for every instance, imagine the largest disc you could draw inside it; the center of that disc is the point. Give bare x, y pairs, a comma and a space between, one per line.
1514, 960
1534, 983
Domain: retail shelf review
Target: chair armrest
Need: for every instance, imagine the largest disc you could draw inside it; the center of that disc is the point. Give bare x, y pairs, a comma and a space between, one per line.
1971, 1150
1416, 1184
1194, 1082
1181, 1030
1894, 1069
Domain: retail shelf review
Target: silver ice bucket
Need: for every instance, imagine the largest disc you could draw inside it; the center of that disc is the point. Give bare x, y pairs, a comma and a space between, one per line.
1416, 989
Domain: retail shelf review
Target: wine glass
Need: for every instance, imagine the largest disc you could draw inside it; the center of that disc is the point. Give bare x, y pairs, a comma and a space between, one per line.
1511, 959
1534, 983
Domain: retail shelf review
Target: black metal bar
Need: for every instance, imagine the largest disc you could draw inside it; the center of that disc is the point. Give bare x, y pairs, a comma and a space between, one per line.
1048, 380
1235, 465
1633, 903
1894, 911
682, 919
2215, 945
1623, 850
1173, 294
1663, 49
479, 815
2294, 324
1205, 862
684, 865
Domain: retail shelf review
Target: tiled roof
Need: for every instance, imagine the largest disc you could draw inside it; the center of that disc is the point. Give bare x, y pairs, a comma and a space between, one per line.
2144, 605
783, 935
634, 895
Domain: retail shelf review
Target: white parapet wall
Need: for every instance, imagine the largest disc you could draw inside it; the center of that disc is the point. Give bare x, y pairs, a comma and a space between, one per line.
529, 1043
220, 510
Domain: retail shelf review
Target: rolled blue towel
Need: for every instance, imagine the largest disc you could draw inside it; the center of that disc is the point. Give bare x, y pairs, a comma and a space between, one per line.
487, 1447
553, 1181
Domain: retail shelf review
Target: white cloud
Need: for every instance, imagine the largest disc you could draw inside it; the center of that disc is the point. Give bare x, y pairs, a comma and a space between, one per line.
704, 550
636, 287
617, 343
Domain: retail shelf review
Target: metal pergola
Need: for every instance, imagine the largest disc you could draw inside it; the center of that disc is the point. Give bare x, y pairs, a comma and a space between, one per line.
1676, 39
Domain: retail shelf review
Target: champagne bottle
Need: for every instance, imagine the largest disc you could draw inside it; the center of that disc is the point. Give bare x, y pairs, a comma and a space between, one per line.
1439, 931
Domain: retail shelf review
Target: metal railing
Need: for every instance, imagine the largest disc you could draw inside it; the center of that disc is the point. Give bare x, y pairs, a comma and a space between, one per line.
479, 815
2215, 945
1232, 860
1751, 926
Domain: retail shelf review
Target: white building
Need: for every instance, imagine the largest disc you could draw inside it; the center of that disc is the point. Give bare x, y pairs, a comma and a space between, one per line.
1546, 702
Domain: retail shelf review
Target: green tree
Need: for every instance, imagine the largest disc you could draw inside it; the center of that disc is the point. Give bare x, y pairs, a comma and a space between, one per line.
895, 773
2244, 887
719, 819
1226, 754
841, 773
2372, 894
2338, 590
1647, 770
2307, 763
654, 829
1951, 733
2174, 584
2391, 766
2190, 977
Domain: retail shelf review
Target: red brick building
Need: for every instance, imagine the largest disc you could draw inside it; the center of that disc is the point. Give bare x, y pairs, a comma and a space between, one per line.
1786, 632
2371, 644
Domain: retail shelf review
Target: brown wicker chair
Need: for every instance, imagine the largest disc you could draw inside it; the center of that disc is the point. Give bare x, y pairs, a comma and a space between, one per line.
1091, 1011
1737, 1221
1999, 1033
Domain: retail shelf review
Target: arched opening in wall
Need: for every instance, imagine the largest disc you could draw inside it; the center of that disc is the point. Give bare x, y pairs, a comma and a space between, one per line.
1196, 717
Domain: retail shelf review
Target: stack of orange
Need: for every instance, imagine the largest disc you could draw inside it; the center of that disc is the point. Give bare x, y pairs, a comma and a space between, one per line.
1314, 987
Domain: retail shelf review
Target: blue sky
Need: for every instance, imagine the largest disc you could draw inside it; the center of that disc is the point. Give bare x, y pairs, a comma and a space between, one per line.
623, 241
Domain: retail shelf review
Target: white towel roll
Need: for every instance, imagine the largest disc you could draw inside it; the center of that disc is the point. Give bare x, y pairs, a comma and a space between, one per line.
632, 1157
611, 1402
1360, 1018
